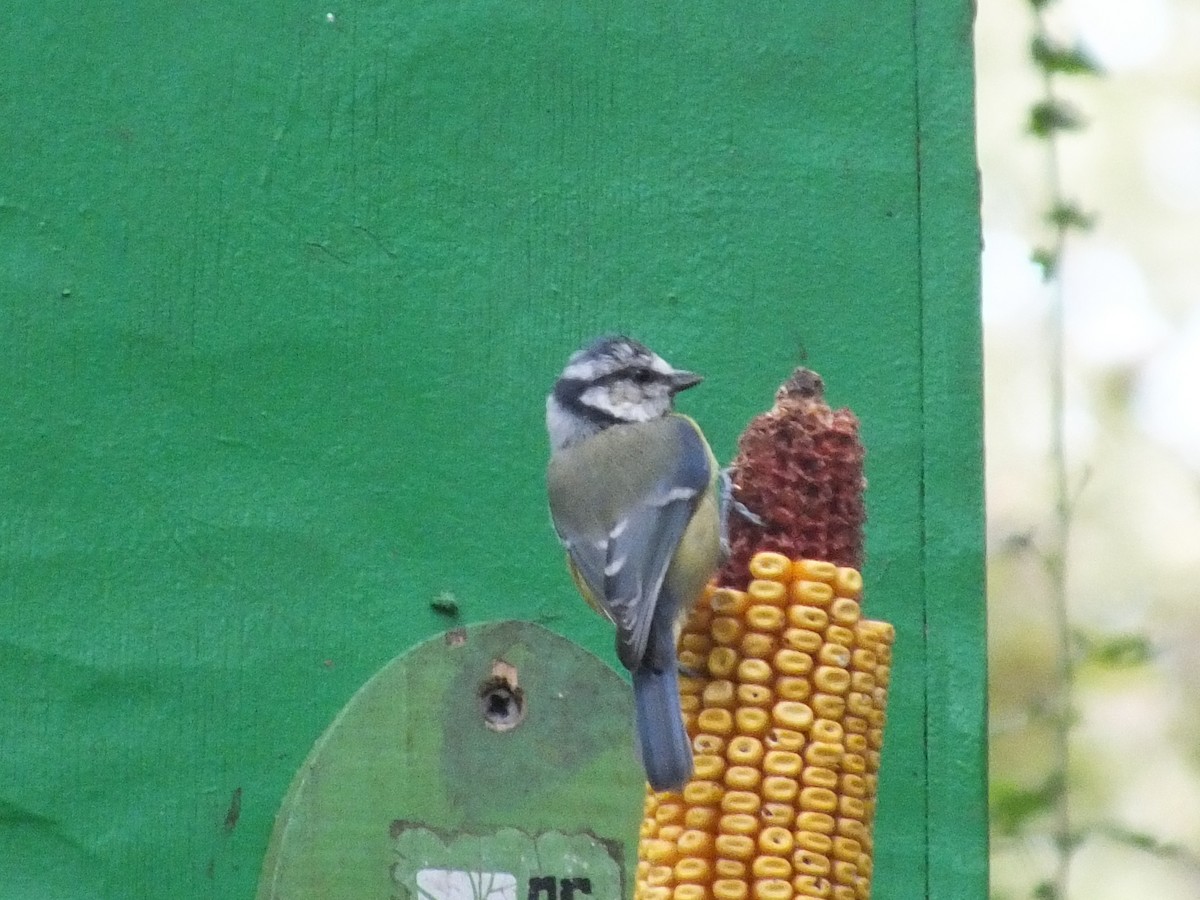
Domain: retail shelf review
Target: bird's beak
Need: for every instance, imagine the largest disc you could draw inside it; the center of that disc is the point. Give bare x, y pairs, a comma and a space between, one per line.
681, 380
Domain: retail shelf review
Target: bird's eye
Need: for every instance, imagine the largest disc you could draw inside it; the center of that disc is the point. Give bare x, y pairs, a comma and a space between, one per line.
643, 376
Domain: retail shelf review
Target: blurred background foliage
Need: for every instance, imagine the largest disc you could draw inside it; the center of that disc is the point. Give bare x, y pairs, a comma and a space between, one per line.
1089, 146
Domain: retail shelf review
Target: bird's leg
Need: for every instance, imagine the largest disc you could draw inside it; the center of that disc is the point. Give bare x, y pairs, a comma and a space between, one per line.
729, 503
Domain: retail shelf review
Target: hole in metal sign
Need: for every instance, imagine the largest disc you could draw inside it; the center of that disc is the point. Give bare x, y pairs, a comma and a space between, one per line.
501, 699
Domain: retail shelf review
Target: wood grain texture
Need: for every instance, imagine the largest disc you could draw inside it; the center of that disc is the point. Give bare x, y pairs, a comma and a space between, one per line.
280, 297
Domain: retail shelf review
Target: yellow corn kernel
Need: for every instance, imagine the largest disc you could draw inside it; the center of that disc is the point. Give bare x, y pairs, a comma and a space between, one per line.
708, 743
785, 739
719, 693
738, 823
691, 661
875, 738
843, 892
780, 788
659, 852
703, 793
778, 812
819, 776
783, 762
814, 841
752, 720
865, 865
708, 767
730, 868
722, 662
792, 715
656, 875
689, 892
810, 820
764, 617
851, 807
827, 730
730, 889
828, 706
817, 799
816, 569
863, 660
695, 842
819, 753
670, 833
740, 802
754, 695
853, 828
854, 785
883, 676
847, 849
745, 751
803, 639
735, 846
856, 724
715, 721
657, 892
689, 703
839, 634
844, 872
854, 762
881, 632
700, 818
872, 758
775, 566
860, 704
793, 662
772, 889
648, 830
831, 679
848, 582
806, 862
834, 655
757, 645
775, 841
857, 743
669, 813
812, 618
863, 682
728, 602
793, 687
743, 778
771, 867
762, 590
758, 671
726, 630
696, 642
812, 887
844, 611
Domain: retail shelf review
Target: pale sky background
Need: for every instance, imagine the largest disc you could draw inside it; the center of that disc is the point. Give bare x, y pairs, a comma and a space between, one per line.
1132, 300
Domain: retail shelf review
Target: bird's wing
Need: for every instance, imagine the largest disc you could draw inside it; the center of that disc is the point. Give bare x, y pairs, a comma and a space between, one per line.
624, 564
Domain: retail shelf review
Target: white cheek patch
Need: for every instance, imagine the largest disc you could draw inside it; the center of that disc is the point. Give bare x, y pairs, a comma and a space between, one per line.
619, 407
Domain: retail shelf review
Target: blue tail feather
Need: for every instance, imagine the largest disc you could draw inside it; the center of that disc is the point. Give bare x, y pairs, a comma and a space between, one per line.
663, 741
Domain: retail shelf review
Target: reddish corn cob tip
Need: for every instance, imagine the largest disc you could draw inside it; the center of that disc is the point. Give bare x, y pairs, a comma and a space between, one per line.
799, 467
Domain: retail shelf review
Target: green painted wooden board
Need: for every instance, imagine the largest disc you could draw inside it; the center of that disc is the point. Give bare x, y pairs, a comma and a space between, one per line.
281, 291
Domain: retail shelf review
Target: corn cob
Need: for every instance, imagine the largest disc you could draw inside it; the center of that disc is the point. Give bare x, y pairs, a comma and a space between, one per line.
787, 716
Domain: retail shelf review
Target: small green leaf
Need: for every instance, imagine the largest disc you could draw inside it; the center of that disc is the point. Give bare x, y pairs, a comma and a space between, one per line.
1066, 215
1063, 60
1050, 116
1122, 651
1047, 260
1012, 806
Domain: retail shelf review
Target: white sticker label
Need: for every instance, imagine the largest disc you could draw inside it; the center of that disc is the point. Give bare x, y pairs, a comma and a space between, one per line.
451, 884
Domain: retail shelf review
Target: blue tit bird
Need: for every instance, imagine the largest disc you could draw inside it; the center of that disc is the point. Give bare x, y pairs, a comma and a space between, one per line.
633, 489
